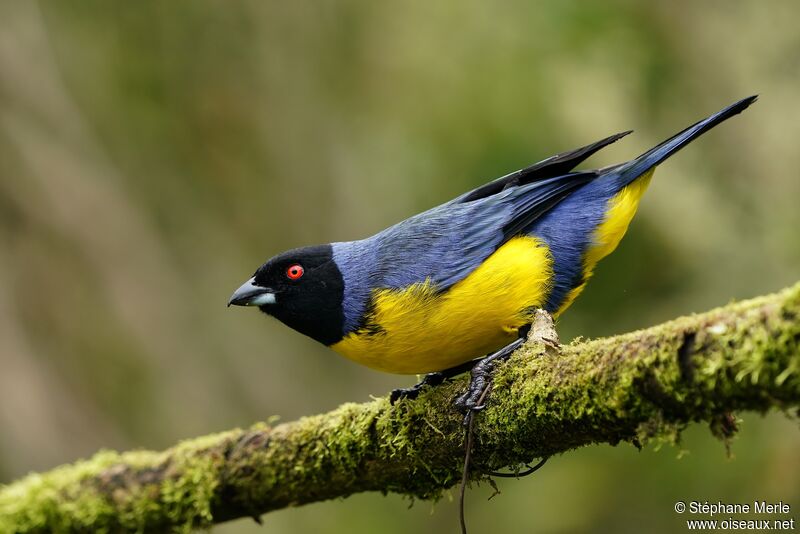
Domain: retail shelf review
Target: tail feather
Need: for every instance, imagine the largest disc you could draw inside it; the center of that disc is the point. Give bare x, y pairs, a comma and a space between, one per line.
636, 167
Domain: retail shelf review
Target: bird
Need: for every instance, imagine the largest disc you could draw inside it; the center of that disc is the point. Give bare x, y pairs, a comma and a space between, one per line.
438, 291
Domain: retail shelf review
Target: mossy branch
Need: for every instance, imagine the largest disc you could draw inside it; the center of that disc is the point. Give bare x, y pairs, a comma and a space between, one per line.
635, 387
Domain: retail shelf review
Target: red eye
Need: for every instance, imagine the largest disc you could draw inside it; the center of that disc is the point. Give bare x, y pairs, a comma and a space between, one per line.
295, 271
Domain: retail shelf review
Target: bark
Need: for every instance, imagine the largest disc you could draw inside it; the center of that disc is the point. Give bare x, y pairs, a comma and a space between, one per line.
637, 387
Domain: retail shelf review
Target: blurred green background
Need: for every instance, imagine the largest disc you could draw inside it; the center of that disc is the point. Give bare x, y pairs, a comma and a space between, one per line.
153, 154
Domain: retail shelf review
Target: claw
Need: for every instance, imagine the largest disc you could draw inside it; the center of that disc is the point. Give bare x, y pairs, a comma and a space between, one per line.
470, 400
430, 379
402, 393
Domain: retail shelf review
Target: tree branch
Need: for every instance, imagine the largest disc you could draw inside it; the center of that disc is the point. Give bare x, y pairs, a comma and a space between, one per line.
635, 387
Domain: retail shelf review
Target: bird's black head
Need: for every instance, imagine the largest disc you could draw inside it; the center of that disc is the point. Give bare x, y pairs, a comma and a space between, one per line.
303, 288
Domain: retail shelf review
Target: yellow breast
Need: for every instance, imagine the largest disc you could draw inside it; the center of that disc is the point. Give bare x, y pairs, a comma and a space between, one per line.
417, 330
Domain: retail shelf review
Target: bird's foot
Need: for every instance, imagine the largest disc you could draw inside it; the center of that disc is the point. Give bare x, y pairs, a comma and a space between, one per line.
541, 328
472, 400
430, 379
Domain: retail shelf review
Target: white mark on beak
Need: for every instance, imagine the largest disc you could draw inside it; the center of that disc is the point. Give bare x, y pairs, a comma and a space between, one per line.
262, 299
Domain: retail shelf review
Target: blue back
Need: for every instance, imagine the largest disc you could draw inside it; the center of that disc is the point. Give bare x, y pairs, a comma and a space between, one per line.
442, 245
445, 244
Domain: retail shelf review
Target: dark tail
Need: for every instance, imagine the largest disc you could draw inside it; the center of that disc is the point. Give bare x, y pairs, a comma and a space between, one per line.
635, 168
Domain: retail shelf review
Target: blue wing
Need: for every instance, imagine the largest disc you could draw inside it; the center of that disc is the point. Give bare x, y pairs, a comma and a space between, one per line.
446, 243
554, 166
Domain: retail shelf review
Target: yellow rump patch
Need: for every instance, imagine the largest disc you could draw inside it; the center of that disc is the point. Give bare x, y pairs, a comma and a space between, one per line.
418, 330
621, 209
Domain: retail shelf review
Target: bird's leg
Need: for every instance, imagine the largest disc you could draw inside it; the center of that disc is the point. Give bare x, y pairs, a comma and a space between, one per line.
541, 328
430, 379
481, 377
471, 401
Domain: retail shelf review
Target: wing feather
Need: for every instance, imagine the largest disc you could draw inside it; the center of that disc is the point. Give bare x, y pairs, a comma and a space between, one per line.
552, 167
443, 245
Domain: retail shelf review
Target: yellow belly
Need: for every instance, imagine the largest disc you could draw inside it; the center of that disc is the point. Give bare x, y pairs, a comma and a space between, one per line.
416, 330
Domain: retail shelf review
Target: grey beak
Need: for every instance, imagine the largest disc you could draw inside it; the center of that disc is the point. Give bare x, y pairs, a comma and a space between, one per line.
250, 294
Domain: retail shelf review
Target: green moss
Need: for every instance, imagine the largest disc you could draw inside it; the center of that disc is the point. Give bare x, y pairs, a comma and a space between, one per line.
642, 387
111, 491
